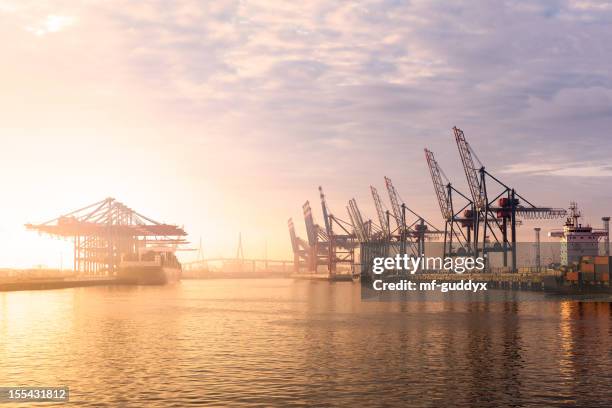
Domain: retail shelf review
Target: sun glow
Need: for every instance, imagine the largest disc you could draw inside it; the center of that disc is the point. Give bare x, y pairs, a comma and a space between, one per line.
51, 24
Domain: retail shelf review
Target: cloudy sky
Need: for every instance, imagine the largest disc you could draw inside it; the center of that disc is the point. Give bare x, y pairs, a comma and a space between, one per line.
225, 116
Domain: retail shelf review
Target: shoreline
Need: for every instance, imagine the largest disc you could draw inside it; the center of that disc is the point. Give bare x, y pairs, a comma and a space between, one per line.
49, 284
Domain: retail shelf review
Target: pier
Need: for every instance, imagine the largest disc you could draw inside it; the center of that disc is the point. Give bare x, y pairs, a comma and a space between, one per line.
57, 283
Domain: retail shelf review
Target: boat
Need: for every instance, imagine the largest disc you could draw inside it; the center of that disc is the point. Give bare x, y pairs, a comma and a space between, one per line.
583, 270
150, 266
560, 285
578, 240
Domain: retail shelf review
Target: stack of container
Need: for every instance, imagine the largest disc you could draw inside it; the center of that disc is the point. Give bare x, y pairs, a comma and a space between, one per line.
592, 269
587, 269
572, 276
602, 268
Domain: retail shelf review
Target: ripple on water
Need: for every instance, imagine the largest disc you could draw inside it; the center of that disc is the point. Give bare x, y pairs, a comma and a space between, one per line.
279, 342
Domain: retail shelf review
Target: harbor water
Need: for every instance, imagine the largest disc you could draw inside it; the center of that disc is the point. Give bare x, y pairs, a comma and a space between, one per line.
279, 342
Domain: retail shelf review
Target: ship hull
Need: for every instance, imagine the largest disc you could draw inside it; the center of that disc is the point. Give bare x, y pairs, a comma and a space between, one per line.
558, 286
149, 275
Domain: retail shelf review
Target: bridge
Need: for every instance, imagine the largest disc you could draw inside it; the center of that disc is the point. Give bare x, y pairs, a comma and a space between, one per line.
238, 266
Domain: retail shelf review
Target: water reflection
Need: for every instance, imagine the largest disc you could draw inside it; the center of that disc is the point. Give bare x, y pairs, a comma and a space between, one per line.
279, 342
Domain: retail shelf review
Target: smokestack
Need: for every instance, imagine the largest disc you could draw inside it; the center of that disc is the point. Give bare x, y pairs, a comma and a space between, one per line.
606, 225
537, 240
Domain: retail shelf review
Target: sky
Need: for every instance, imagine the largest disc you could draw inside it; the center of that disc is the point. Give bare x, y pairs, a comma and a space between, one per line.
225, 116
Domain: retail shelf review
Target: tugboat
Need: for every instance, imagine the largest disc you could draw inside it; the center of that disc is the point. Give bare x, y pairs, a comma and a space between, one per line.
583, 270
150, 266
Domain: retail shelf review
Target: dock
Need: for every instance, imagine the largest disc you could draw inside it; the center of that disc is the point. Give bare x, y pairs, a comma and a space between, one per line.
49, 283
336, 277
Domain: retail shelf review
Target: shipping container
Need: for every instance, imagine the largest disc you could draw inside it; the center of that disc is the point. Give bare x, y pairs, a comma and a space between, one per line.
571, 276
587, 268
588, 276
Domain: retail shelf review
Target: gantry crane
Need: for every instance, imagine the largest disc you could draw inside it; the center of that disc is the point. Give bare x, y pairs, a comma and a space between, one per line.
301, 249
106, 232
399, 216
341, 240
361, 228
496, 214
458, 224
383, 215
318, 240
412, 234
372, 244
398, 213
325, 211
327, 246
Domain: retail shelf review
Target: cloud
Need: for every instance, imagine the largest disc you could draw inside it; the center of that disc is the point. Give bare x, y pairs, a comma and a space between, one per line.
336, 93
575, 169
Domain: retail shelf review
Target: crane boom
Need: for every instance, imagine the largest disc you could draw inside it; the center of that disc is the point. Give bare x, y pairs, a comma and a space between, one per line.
358, 224
439, 187
471, 171
395, 206
382, 216
350, 214
325, 211
293, 236
311, 227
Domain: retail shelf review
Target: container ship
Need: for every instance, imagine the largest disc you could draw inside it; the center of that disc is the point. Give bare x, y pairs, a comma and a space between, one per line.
592, 275
151, 266
584, 269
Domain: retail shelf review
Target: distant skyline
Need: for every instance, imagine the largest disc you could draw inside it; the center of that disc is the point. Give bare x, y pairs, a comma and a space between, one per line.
226, 116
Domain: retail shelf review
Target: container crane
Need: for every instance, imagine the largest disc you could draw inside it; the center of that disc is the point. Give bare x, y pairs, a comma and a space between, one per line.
325, 211
417, 230
318, 240
498, 213
383, 216
341, 240
314, 231
471, 171
106, 231
360, 227
455, 221
398, 214
301, 249
346, 237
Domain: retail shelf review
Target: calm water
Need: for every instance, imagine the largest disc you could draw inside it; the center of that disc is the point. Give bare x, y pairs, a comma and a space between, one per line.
279, 342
